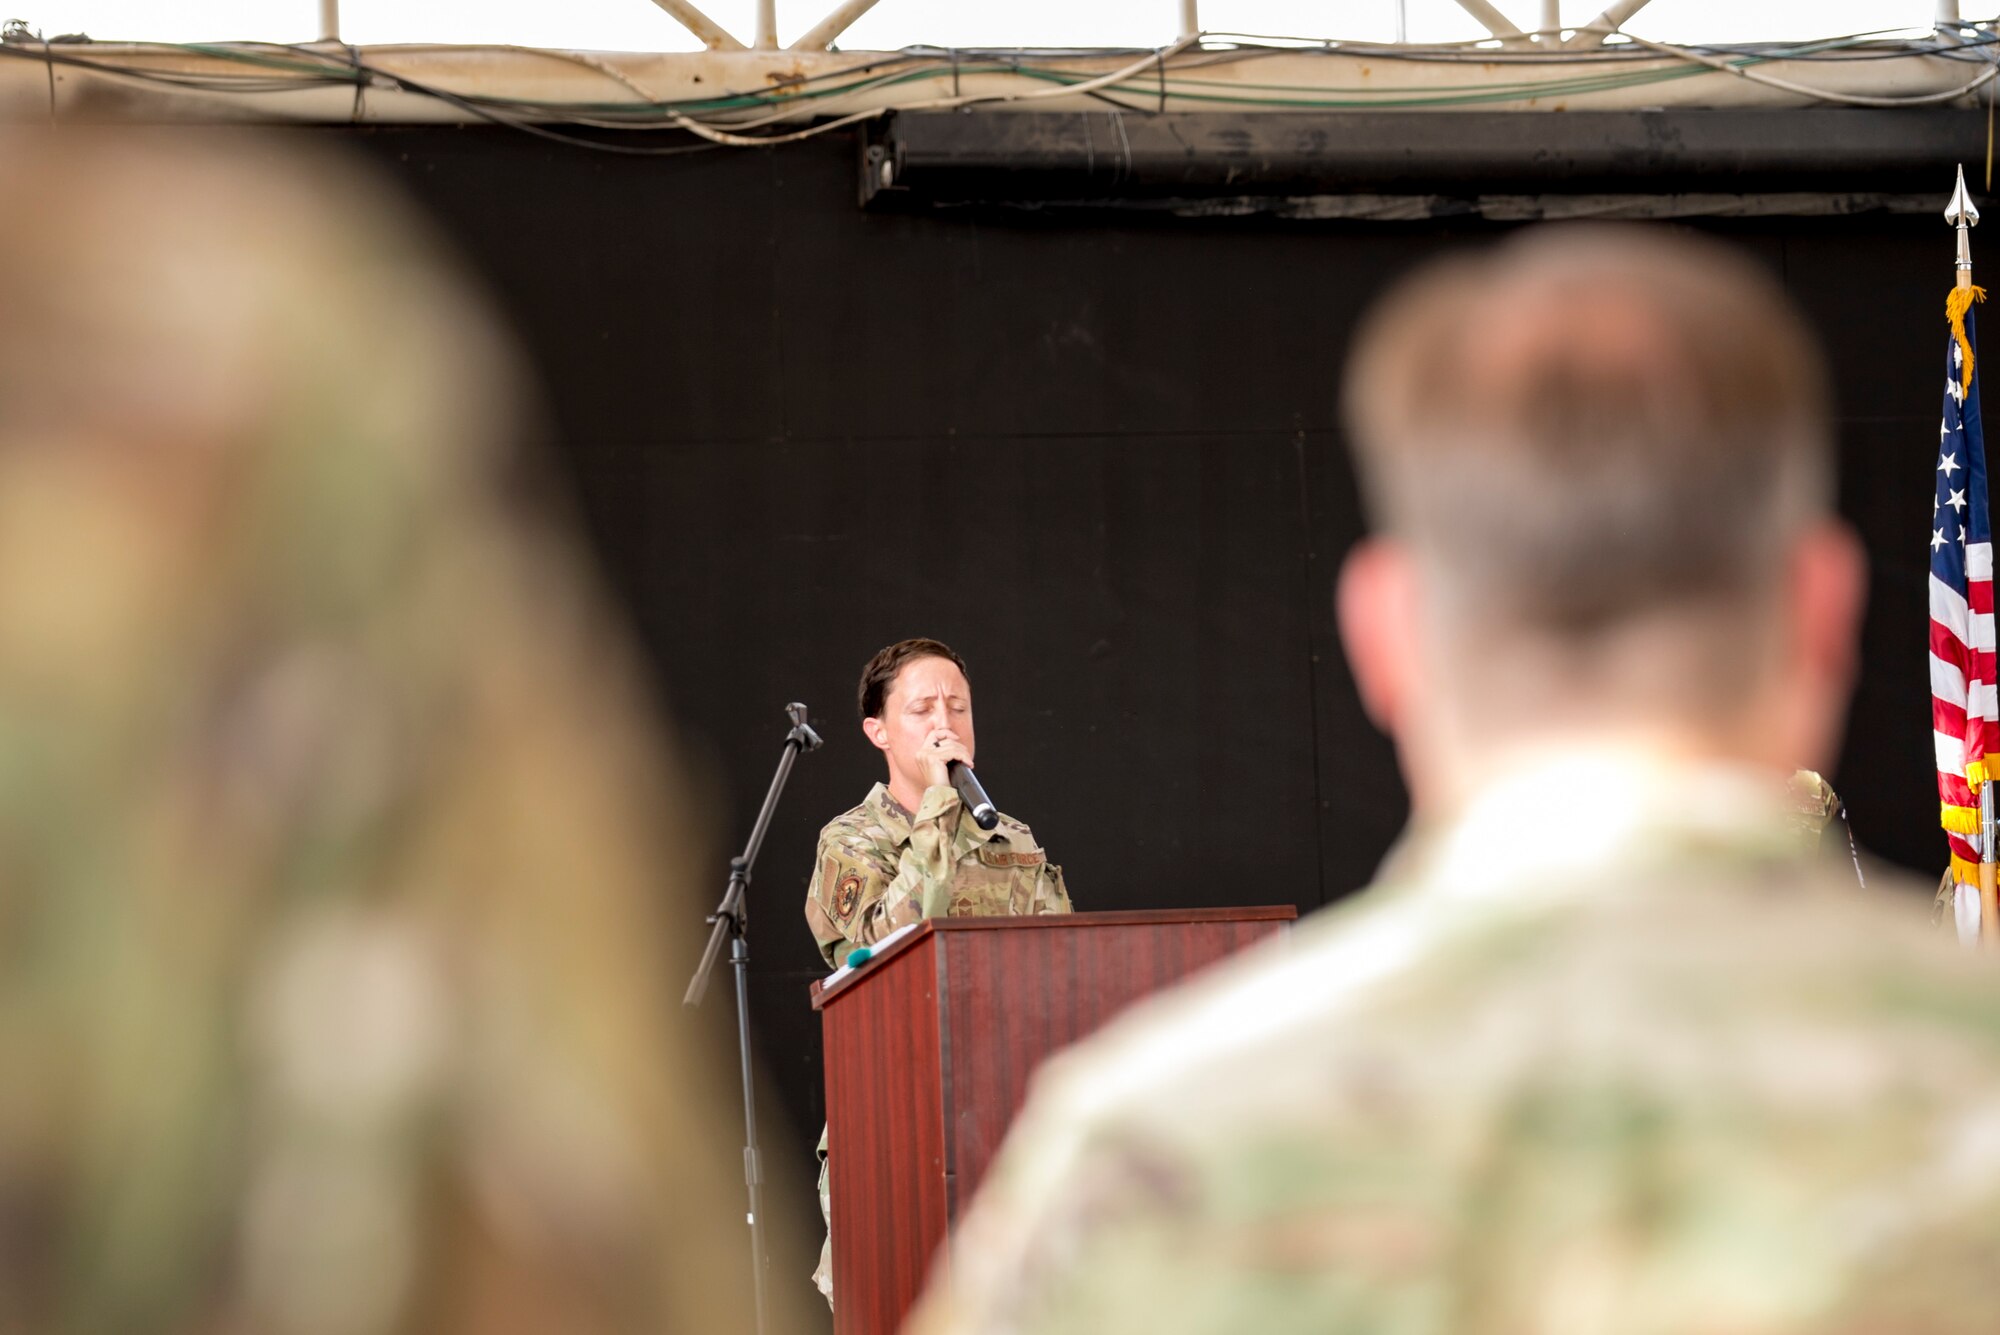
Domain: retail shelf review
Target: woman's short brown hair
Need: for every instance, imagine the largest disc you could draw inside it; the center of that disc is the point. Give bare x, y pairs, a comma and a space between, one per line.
880, 674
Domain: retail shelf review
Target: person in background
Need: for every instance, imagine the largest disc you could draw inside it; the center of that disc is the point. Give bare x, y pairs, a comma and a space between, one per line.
1607, 1046
911, 850
1820, 817
335, 837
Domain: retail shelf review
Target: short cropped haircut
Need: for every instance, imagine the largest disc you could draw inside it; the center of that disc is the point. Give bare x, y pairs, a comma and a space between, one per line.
1587, 422
880, 674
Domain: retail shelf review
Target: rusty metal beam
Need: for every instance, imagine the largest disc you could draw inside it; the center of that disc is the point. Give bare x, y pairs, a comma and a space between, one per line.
120, 82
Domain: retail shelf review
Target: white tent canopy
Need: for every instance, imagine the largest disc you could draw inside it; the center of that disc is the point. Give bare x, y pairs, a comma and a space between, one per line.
735, 71
647, 25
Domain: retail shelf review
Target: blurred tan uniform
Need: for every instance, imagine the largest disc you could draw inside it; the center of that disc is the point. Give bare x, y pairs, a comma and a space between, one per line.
335, 852
1525, 1084
880, 867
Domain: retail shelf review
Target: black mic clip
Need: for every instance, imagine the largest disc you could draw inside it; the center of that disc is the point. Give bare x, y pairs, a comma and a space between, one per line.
802, 733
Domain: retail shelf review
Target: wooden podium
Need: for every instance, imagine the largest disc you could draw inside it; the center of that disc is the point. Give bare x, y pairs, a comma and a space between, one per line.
929, 1047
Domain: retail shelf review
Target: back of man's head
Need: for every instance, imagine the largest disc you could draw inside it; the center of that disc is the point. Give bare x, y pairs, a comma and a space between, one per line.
1584, 422
1593, 443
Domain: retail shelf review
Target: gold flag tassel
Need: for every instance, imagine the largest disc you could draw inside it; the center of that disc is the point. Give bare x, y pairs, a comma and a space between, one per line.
1955, 306
1963, 821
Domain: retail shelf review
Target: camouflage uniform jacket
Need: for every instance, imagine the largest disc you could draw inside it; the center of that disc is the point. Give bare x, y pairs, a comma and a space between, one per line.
1609, 1052
880, 868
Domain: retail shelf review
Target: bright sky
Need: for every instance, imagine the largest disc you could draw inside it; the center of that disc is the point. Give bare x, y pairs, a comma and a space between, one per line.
627, 25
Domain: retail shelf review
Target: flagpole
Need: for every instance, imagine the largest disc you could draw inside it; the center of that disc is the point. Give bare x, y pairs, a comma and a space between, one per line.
1964, 216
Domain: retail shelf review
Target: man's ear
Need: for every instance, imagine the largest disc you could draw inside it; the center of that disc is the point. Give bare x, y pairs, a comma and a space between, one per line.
1376, 603
1828, 594
877, 731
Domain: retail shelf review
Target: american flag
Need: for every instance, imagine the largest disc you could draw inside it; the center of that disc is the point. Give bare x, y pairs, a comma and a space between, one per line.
1963, 715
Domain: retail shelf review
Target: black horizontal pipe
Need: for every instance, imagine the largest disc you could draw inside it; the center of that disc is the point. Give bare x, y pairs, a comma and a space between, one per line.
999, 154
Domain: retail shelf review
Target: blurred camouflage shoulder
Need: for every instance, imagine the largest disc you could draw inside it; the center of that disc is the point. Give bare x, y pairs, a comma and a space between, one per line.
1648, 1100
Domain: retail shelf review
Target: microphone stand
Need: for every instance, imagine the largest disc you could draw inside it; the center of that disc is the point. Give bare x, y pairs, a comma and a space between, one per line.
731, 920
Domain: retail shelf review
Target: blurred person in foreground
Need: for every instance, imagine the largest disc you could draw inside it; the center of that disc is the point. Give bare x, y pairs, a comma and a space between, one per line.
1607, 1047
333, 835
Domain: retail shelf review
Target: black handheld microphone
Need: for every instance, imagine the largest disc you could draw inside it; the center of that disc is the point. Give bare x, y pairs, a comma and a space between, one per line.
969, 792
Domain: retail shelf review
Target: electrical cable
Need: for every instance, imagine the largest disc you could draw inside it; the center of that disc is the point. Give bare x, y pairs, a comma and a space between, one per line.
1154, 79
1104, 81
1824, 95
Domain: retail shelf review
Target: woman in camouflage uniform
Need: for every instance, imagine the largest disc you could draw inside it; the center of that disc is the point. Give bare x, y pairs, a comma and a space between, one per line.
911, 850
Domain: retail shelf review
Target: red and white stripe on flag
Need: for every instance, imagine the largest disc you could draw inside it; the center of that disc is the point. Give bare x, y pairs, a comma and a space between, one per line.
1964, 726
1963, 703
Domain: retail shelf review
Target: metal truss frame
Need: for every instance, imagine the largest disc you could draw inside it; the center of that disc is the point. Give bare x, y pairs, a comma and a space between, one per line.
1548, 32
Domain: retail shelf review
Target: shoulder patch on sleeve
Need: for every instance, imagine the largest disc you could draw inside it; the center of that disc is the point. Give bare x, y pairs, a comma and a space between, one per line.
847, 896
851, 875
